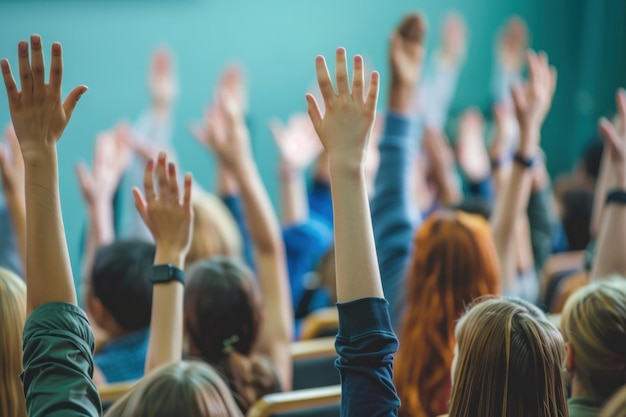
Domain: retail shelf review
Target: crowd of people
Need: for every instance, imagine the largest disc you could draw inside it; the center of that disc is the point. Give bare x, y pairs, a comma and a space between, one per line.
444, 288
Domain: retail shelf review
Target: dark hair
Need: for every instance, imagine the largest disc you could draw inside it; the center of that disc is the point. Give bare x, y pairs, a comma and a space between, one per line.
222, 318
577, 208
592, 157
120, 279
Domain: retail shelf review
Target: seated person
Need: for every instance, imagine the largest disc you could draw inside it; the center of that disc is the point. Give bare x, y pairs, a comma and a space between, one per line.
119, 301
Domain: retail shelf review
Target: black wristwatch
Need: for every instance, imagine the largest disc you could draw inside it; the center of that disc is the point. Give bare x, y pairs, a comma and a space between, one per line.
162, 274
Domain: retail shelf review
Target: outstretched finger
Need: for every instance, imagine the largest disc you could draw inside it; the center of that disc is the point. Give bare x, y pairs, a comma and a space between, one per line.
148, 181
39, 83
372, 95
140, 204
341, 72
314, 111
358, 79
56, 68
187, 191
9, 83
323, 79
26, 75
173, 182
162, 177
70, 102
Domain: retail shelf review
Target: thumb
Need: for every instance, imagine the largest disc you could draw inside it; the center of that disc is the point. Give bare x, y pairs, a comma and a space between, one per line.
70, 102
140, 204
82, 173
612, 139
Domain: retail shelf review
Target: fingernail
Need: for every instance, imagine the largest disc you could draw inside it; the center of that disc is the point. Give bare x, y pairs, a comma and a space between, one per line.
35, 40
150, 162
161, 156
56, 47
319, 58
171, 168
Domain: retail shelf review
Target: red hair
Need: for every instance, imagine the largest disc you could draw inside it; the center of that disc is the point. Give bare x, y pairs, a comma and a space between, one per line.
454, 262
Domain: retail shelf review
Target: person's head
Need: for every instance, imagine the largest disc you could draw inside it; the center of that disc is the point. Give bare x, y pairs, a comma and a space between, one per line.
12, 319
509, 361
594, 326
455, 261
223, 314
616, 407
215, 231
119, 298
187, 388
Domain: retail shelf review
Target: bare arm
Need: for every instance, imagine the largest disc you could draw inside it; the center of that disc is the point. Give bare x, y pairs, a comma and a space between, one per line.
611, 240
229, 139
169, 217
532, 105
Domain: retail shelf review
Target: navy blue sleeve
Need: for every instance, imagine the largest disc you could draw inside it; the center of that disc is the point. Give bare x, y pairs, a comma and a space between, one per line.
365, 345
394, 215
233, 203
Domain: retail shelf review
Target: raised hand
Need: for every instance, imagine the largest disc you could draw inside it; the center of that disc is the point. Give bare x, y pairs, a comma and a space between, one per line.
165, 211
504, 133
233, 84
12, 164
297, 142
614, 135
407, 50
533, 100
453, 40
471, 151
512, 43
162, 80
345, 128
38, 116
110, 160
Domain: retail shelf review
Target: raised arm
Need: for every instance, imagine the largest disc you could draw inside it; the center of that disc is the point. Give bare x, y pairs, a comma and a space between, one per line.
229, 139
169, 216
611, 239
98, 186
12, 171
298, 147
365, 342
58, 342
532, 104
394, 214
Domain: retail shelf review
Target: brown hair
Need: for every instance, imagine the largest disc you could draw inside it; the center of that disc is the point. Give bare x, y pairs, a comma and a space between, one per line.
455, 261
510, 362
594, 324
215, 231
222, 320
616, 407
187, 388
12, 319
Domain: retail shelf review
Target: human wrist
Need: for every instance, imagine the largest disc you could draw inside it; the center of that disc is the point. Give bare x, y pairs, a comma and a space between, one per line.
342, 166
169, 255
401, 97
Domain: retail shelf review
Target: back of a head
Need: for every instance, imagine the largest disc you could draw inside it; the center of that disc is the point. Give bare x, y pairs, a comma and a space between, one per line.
455, 262
510, 362
215, 232
594, 324
120, 279
12, 319
577, 205
188, 388
222, 320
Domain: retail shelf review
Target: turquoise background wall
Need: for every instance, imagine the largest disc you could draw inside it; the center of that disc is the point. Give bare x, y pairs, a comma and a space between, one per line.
108, 44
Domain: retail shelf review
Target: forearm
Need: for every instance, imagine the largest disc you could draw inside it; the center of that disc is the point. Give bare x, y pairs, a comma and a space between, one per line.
166, 330
48, 271
100, 232
355, 252
295, 206
226, 182
599, 196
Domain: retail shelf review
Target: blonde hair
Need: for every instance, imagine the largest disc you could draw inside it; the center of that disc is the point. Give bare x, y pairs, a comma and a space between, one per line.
510, 362
12, 319
186, 388
594, 324
215, 231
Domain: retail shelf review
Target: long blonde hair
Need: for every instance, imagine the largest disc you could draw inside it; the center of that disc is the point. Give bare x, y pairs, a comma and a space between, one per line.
12, 319
455, 261
510, 363
594, 324
616, 406
186, 388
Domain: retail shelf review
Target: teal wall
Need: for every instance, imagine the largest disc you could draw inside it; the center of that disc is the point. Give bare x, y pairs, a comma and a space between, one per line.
107, 46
